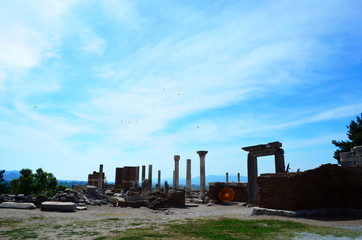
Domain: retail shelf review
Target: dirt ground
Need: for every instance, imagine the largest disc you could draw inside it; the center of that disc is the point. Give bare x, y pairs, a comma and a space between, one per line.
104, 219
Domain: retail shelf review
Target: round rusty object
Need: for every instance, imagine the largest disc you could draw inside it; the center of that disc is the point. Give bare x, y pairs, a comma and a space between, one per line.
226, 194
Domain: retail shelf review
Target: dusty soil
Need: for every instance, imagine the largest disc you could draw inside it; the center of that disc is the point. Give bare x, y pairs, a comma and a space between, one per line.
102, 220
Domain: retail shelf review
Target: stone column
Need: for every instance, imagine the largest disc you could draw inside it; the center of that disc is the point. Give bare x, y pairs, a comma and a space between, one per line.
159, 180
202, 155
167, 187
238, 177
150, 177
100, 179
138, 176
143, 173
279, 160
252, 175
227, 177
177, 159
188, 178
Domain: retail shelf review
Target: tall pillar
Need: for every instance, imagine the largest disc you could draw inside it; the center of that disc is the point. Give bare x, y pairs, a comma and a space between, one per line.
138, 176
202, 155
100, 179
227, 177
159, 180
279, 160
188, 178
177, 159
143, 173
238, 177
252, 175
150, 177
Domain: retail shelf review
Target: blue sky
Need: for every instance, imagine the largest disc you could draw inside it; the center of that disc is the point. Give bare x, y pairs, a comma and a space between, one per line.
130, 83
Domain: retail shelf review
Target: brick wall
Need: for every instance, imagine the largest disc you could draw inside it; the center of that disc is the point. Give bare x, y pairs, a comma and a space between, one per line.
328, 186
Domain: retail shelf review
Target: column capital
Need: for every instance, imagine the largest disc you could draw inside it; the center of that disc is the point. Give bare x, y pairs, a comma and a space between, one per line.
176, 157
202, 153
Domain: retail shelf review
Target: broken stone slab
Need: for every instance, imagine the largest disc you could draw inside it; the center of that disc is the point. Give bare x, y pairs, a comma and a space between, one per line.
81, 208
275, 212
58, 206
17, 205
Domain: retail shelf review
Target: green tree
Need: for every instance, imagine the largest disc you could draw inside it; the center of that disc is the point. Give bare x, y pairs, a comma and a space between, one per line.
60, 188
26, 182
44, 183
14, 185
2, 175
3, 185
38, 183
52, 183
354, 135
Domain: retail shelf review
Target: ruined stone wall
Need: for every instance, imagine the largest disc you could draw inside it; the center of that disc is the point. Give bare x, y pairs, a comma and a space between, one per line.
240, 189
93, 178
126, 176
328, 186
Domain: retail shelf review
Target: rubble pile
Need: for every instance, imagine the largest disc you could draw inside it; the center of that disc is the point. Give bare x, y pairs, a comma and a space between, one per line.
158, 200
153, 200
87, 197
20, 198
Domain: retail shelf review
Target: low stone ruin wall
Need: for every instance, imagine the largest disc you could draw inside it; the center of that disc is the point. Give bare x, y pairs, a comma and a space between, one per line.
329, 186
240, 189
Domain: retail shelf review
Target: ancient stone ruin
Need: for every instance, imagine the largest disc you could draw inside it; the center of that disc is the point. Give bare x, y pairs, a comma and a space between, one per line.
273, 148
328, 186
126, 177
352, 158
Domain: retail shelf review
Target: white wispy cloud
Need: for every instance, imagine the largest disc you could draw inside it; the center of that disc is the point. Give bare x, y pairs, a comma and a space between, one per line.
92, 43
123, 11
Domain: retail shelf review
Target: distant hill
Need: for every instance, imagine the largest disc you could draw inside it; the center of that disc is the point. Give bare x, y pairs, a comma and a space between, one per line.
11, 175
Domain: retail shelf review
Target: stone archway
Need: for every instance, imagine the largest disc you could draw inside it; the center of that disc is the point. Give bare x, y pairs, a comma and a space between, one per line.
273, 148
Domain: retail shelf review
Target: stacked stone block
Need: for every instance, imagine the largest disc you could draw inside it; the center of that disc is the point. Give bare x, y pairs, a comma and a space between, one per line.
329, 186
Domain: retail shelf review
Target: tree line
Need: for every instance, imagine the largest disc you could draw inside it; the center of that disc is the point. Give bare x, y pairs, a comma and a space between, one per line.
30, 183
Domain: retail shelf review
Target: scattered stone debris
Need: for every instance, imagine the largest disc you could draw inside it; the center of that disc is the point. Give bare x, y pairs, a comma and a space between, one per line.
159, 200
87, 197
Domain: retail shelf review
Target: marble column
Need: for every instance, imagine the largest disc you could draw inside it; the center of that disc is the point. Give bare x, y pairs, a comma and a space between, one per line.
188, 178
173, 181
138, 177
202, 155
100, 179
150, 177
159, 180
143, 173
177, 178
